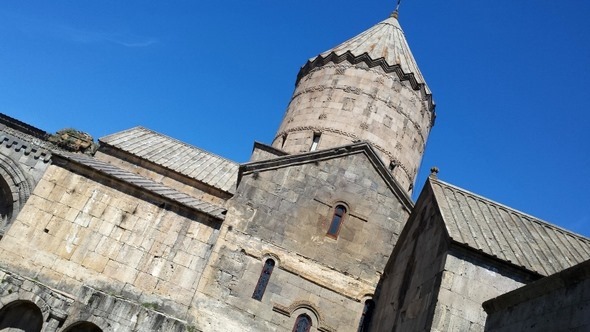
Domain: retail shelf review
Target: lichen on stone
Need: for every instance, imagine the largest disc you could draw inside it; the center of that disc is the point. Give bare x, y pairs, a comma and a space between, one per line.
74, 140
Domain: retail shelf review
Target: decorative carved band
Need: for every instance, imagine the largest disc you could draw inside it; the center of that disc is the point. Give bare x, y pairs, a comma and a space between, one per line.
358, 91
365, 58
350, 135
26, 147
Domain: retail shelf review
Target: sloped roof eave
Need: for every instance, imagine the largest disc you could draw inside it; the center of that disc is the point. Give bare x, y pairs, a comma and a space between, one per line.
179, 157
144, 184
309, 157
510, 235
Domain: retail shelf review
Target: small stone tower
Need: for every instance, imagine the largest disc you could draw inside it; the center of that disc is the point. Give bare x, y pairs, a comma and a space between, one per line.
368, 88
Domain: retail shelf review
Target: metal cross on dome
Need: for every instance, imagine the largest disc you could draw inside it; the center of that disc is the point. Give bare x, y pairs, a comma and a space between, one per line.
396, 11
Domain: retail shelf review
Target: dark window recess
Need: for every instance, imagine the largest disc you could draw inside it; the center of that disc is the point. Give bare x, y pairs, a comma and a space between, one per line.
339, 212
315, 141
302, 324
263, 279
366, 317
392, 166
284, 140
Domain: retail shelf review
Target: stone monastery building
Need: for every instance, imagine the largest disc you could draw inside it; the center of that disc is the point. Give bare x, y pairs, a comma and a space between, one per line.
317, 232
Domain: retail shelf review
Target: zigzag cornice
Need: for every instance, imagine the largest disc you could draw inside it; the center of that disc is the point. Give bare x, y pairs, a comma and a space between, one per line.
371, 63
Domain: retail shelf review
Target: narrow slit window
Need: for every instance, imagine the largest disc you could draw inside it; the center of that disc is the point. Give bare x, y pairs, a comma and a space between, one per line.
316, 140
337, 218
284, 140
269, 265
366, 317
302, 324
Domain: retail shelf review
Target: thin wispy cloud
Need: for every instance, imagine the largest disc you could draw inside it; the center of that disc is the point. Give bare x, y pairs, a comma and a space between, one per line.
125, 39
62, 31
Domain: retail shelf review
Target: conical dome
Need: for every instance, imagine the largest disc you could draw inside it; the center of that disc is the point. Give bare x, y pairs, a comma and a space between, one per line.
386, 41
368, 88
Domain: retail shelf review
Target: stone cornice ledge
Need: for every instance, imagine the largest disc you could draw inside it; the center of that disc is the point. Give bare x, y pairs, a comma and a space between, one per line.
365, 58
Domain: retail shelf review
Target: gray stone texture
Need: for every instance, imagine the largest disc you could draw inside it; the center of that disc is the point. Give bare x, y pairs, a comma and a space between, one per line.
559, 302
59, 310
432, 283
282, 212
347, 103
152, 234
23, 160
466, 283
176, 156
82, 233
410, 284
291, 206
510, 235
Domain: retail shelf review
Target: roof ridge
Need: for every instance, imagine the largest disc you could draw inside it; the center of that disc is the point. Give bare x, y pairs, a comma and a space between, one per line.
145, 183
118, 133
178, 156
524, 214
176, 140
334, 152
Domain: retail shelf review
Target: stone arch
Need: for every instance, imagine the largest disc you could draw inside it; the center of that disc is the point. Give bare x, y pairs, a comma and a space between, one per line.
25, 296
15, 189
21, 315
268, 255
83, 327
308, 310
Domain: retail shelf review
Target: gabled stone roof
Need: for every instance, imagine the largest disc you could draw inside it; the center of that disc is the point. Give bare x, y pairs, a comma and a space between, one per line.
507, 234
144, 183
177, 156
337, 152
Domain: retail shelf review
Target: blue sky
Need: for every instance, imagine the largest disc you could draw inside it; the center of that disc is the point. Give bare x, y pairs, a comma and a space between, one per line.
510, 79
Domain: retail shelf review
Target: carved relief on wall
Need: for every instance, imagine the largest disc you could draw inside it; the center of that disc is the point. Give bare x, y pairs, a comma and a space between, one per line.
14, 191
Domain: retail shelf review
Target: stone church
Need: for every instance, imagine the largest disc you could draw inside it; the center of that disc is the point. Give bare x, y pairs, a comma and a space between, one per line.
317, 232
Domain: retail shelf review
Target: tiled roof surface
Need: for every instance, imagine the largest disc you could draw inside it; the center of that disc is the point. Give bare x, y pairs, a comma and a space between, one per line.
384, 40
508, 234
176, 156
147, 184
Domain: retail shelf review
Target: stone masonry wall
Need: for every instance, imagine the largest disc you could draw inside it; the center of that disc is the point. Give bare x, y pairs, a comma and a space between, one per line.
296, 285
283, 213
409, 287
76, 232
560, 302
346, 103
162, 175
58, 311
466, 283
21, 167
292, 207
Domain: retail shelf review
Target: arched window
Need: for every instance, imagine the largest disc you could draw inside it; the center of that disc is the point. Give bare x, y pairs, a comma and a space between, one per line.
83, 327
21, 316
366, 317
337, 218
6, 206
302, 324
269, 265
